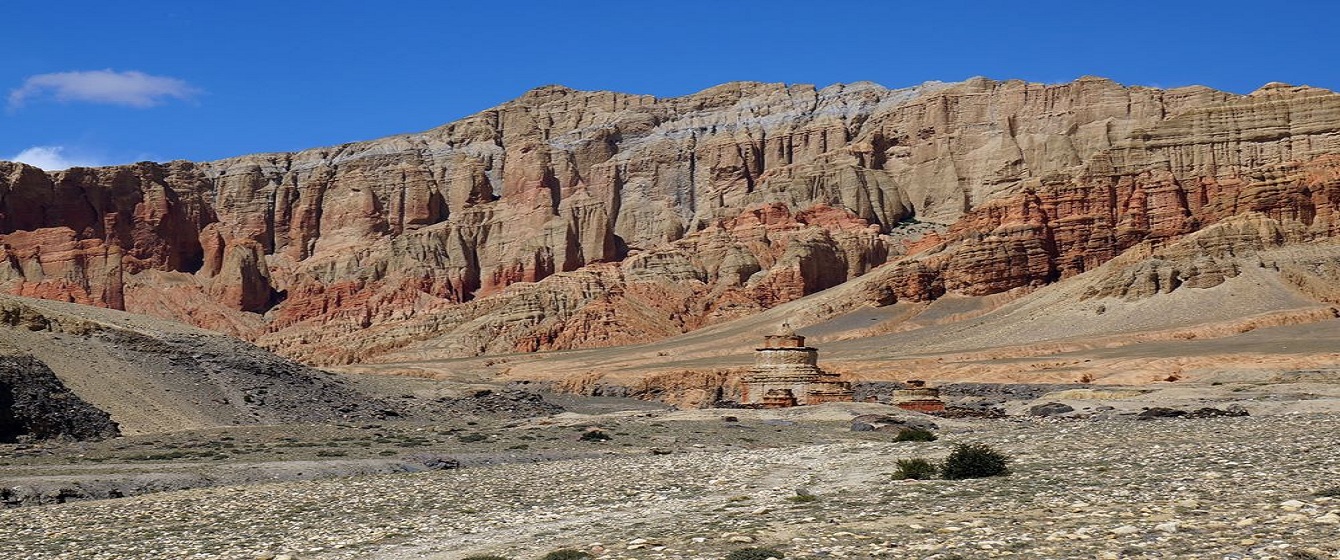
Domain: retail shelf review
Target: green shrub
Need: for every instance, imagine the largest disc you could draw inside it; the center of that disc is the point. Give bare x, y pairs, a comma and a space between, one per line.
566, 554
974, 460
914, 434
914, 469
753, 553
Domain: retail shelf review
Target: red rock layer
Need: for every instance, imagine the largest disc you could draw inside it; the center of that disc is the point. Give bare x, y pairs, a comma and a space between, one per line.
567, 219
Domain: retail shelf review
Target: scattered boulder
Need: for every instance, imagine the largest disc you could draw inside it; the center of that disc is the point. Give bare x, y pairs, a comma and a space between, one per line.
437, 462
1003, 392
1050, 409
1160, 412
510, 403
977, 411
1210, 412
886, 423
1203, 412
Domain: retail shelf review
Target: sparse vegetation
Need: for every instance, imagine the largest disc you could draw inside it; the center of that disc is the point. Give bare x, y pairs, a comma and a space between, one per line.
974, 460
754, 553
914, 469
914, 434
472, 438
1049, 462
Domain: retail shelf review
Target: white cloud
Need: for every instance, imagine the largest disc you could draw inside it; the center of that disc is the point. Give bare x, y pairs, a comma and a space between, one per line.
134, 89
53, 158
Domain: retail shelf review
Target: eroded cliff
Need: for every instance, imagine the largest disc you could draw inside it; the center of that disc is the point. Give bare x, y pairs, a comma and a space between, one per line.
572, 219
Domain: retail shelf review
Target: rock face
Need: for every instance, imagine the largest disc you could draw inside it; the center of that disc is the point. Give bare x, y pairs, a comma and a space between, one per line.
35, 405
573, 219
1159, 185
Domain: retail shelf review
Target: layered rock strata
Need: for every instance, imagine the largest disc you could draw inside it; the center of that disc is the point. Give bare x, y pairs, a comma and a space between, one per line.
573, 219
1150, 190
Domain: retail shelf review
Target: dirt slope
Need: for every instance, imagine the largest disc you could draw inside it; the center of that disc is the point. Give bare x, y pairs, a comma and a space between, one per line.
154, 375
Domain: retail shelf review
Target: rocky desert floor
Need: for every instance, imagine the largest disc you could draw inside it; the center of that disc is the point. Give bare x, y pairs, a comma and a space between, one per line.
702, 483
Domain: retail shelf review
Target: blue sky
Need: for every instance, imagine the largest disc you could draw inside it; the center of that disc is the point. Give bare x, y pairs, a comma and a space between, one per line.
97, 82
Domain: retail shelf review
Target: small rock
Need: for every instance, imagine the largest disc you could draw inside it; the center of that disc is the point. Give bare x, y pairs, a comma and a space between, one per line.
1126, 530
1167, 527
1292, 505
1329, 519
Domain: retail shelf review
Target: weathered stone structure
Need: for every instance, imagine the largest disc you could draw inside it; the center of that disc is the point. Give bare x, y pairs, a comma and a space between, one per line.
786, 373
918, 397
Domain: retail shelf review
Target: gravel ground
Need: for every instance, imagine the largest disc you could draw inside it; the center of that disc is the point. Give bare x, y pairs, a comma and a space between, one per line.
1250, 487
